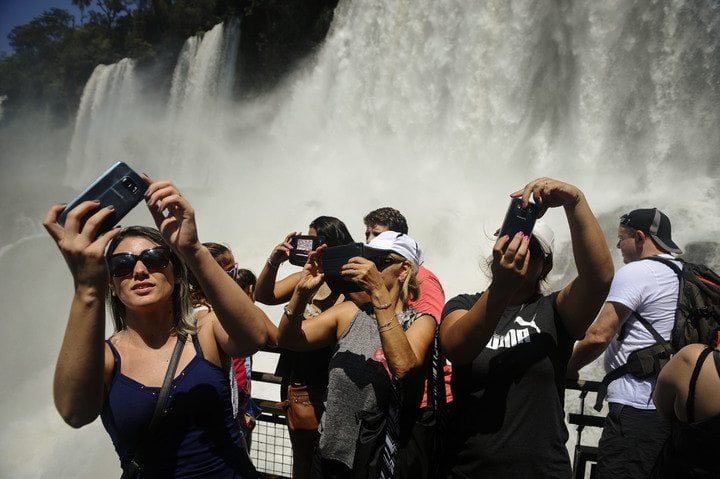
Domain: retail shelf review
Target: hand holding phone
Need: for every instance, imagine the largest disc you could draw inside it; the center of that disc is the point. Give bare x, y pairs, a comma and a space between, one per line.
119, 187
519, 218
334, 258
302, 246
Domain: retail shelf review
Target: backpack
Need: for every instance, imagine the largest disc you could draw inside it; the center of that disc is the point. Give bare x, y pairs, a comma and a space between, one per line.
697, 320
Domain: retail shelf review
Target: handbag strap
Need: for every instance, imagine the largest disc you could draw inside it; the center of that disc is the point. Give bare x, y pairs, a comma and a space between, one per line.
160, 404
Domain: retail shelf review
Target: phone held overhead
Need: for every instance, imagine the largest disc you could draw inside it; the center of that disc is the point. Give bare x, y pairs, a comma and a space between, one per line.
119, 186
519, 218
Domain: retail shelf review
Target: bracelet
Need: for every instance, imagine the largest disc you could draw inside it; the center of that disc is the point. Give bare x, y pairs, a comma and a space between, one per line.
382, 329
382, 306
381, 326
289, 313
272, 265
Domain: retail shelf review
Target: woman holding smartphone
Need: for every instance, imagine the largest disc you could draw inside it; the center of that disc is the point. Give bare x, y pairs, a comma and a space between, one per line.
310, 368
510, 344
142, 274
380, 350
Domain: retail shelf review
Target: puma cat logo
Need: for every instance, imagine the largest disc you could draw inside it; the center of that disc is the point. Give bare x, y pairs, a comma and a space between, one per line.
525, 324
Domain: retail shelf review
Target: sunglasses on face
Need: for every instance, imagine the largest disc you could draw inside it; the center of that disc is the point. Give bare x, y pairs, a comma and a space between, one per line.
122, 264
233, 272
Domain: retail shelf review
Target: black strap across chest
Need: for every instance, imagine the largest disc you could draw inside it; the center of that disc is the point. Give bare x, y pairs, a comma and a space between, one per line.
690, 403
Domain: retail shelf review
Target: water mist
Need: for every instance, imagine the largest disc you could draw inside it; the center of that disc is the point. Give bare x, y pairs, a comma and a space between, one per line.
440, 109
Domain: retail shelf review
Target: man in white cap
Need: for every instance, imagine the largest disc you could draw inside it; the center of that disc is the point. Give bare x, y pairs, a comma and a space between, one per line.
641, 291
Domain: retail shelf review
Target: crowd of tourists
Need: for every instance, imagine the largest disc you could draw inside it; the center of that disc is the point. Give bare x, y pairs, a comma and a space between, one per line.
383, 376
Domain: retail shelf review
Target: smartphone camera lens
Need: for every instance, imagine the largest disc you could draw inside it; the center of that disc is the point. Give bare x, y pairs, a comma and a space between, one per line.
129, 184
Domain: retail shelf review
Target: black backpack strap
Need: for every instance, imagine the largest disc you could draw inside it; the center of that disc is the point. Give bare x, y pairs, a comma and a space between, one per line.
690, 403
650, 328
623, 370
670, 263
609, 377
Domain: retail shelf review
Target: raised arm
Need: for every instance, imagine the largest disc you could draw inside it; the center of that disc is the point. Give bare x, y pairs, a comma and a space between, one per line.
299, 334
580, 301
79, 384
464, 333
270, 291
405, 351
241, 329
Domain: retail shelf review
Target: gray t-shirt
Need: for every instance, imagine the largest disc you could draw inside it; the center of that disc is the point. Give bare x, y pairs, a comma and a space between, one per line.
358, 381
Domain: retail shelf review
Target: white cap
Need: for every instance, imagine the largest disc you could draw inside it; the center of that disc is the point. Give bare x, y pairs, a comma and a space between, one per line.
545, 236
399, 243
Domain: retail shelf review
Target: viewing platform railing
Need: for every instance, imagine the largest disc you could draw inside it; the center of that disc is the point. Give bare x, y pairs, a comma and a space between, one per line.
271, 451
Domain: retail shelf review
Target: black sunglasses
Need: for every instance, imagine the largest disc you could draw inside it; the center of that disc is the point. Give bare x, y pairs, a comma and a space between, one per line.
122, 264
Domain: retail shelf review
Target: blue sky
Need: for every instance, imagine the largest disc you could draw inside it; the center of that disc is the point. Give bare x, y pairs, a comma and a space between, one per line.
20, 12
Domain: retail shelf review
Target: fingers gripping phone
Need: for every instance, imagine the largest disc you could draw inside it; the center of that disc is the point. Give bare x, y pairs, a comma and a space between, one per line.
335, 257
302, 246
119, 186
518, 218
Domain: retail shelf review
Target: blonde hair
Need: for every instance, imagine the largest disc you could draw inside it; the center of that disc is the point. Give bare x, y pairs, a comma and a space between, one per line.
181, 307
410, 286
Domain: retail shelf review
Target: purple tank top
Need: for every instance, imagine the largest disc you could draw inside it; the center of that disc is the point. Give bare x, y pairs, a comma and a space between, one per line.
197, 437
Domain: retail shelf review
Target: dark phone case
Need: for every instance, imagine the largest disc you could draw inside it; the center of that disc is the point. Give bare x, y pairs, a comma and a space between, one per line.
518, 218
335, 257
119, 186
299, 257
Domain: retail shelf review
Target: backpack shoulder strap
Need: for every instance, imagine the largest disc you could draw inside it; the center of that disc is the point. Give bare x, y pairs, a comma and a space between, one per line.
690, 403
670, 263
650, 328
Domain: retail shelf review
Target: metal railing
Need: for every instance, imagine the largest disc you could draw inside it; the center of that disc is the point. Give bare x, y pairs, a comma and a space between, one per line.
271, 451
584, 455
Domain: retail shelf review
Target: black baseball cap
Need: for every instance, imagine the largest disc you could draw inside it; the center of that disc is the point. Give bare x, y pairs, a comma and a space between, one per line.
654, 222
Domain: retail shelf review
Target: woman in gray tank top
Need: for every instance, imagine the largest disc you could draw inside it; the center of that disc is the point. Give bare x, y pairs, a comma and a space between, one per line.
378, 346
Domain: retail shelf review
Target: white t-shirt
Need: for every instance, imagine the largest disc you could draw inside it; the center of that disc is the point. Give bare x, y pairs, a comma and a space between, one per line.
649, 288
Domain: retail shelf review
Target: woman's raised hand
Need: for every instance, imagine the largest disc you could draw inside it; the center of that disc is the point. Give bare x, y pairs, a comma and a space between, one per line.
83, 252
312, 275
364, 273
281, 252
549, 193
173, 215
511, 260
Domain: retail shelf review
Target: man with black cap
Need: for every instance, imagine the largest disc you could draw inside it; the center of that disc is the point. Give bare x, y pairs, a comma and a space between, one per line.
633, 433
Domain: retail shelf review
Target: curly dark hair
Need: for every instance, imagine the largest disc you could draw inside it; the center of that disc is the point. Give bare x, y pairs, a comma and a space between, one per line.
389, 217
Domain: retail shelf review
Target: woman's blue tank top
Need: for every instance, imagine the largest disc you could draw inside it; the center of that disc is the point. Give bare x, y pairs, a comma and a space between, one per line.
197, 437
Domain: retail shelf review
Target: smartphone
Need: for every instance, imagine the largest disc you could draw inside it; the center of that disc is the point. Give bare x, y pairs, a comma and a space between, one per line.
302, 246
518, 218
335, 257
119, 186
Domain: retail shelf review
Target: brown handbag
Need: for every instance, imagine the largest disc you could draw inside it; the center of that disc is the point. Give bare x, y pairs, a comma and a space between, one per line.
304, 407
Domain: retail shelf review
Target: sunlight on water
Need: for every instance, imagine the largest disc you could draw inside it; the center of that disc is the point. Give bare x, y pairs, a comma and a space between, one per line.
440, 110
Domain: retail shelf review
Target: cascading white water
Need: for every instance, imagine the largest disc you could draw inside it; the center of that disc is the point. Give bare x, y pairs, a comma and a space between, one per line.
202, 86
108, 104
439, 109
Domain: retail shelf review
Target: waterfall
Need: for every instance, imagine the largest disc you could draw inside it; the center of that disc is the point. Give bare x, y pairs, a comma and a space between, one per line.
440, 109
107, 108
202, 83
